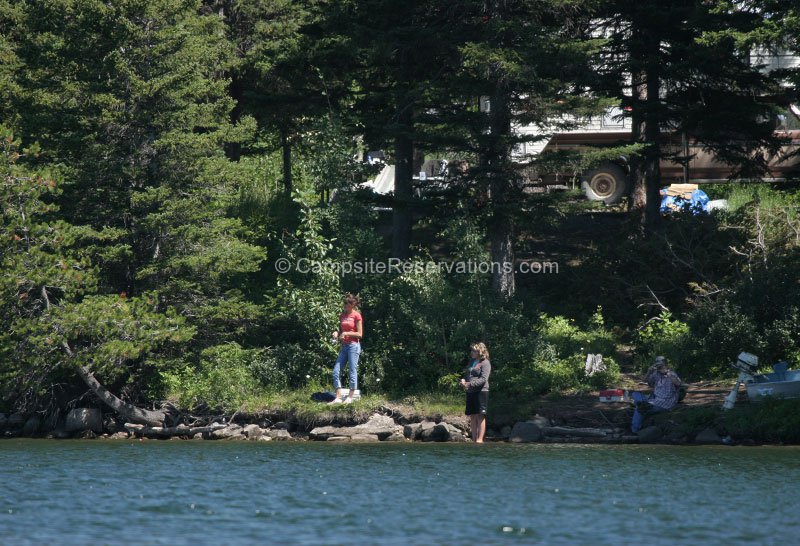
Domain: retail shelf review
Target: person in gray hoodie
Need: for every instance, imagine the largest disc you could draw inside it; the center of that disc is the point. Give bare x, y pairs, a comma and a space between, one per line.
476, 383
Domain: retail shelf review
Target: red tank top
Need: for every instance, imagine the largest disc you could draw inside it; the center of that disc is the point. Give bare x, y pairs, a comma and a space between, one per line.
347, 323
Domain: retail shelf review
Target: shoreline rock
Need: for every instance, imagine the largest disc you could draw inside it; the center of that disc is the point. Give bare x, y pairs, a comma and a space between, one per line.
91, 423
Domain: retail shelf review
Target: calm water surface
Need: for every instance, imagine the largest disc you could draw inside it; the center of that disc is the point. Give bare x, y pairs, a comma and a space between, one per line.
119, 492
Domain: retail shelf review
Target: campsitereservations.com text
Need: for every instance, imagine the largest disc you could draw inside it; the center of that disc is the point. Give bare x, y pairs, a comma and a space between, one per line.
404, 267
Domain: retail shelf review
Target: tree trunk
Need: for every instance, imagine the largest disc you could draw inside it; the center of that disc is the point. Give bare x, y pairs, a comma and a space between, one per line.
419, 160
652, 216
403, 190
129, 412
639, 94
500, 174
646, 81
233, 150
501, 224
286, 148
501, 238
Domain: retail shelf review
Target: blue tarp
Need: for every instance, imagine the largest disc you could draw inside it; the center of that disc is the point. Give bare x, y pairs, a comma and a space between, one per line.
696, 204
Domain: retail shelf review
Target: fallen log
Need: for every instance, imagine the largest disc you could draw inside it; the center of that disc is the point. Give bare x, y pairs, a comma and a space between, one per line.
168, 432
126, 410
569, 431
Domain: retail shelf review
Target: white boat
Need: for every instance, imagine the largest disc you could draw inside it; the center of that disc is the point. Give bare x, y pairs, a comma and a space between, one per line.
781, 383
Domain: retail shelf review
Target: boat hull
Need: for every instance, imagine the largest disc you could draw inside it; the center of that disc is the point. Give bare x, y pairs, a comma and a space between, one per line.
785, 385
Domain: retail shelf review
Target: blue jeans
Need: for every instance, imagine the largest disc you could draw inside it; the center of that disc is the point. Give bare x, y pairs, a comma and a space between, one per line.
642, 409
348, 352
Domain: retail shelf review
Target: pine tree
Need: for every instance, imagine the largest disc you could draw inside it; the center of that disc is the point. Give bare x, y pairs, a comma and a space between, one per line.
129, 103
10, 15
398, 48
527, 61
287, 72
53, 323
688, 76
132, 100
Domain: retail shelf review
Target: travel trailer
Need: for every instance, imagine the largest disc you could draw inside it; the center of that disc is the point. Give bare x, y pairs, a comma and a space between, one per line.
610, 181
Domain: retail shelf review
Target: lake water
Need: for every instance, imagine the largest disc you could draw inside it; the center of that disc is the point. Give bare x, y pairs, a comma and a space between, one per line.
195, 492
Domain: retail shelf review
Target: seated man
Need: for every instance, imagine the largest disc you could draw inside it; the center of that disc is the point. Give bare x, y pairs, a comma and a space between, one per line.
668, 390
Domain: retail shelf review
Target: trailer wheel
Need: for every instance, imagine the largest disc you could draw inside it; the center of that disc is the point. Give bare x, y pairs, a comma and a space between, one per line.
607, 183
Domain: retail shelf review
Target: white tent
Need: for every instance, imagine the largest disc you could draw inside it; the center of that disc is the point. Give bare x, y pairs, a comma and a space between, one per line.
383, 183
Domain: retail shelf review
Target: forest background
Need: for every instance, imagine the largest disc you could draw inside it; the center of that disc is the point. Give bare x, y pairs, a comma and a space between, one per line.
160, 156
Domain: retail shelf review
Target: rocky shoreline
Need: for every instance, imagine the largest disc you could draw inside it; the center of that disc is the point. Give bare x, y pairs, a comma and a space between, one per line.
382, 426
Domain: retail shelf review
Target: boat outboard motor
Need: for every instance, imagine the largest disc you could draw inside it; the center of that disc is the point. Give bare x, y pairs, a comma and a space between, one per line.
747, 364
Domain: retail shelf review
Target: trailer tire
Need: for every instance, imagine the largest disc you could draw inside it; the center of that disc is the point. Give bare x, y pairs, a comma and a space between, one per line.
607, 183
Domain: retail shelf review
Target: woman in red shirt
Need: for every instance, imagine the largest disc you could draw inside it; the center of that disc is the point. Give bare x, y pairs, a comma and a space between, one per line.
349, 334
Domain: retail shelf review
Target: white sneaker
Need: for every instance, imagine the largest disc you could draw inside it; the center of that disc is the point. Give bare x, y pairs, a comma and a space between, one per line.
348, 400
335, 401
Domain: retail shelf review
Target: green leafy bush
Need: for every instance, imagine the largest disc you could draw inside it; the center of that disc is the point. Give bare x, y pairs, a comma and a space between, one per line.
225, 379
719, 331
569, 338
663, 336
449, 384
754, 305
549, 354
294, 365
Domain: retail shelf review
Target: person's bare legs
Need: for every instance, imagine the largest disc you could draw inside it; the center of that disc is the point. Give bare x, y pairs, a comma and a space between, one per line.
480, 428
473, 427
